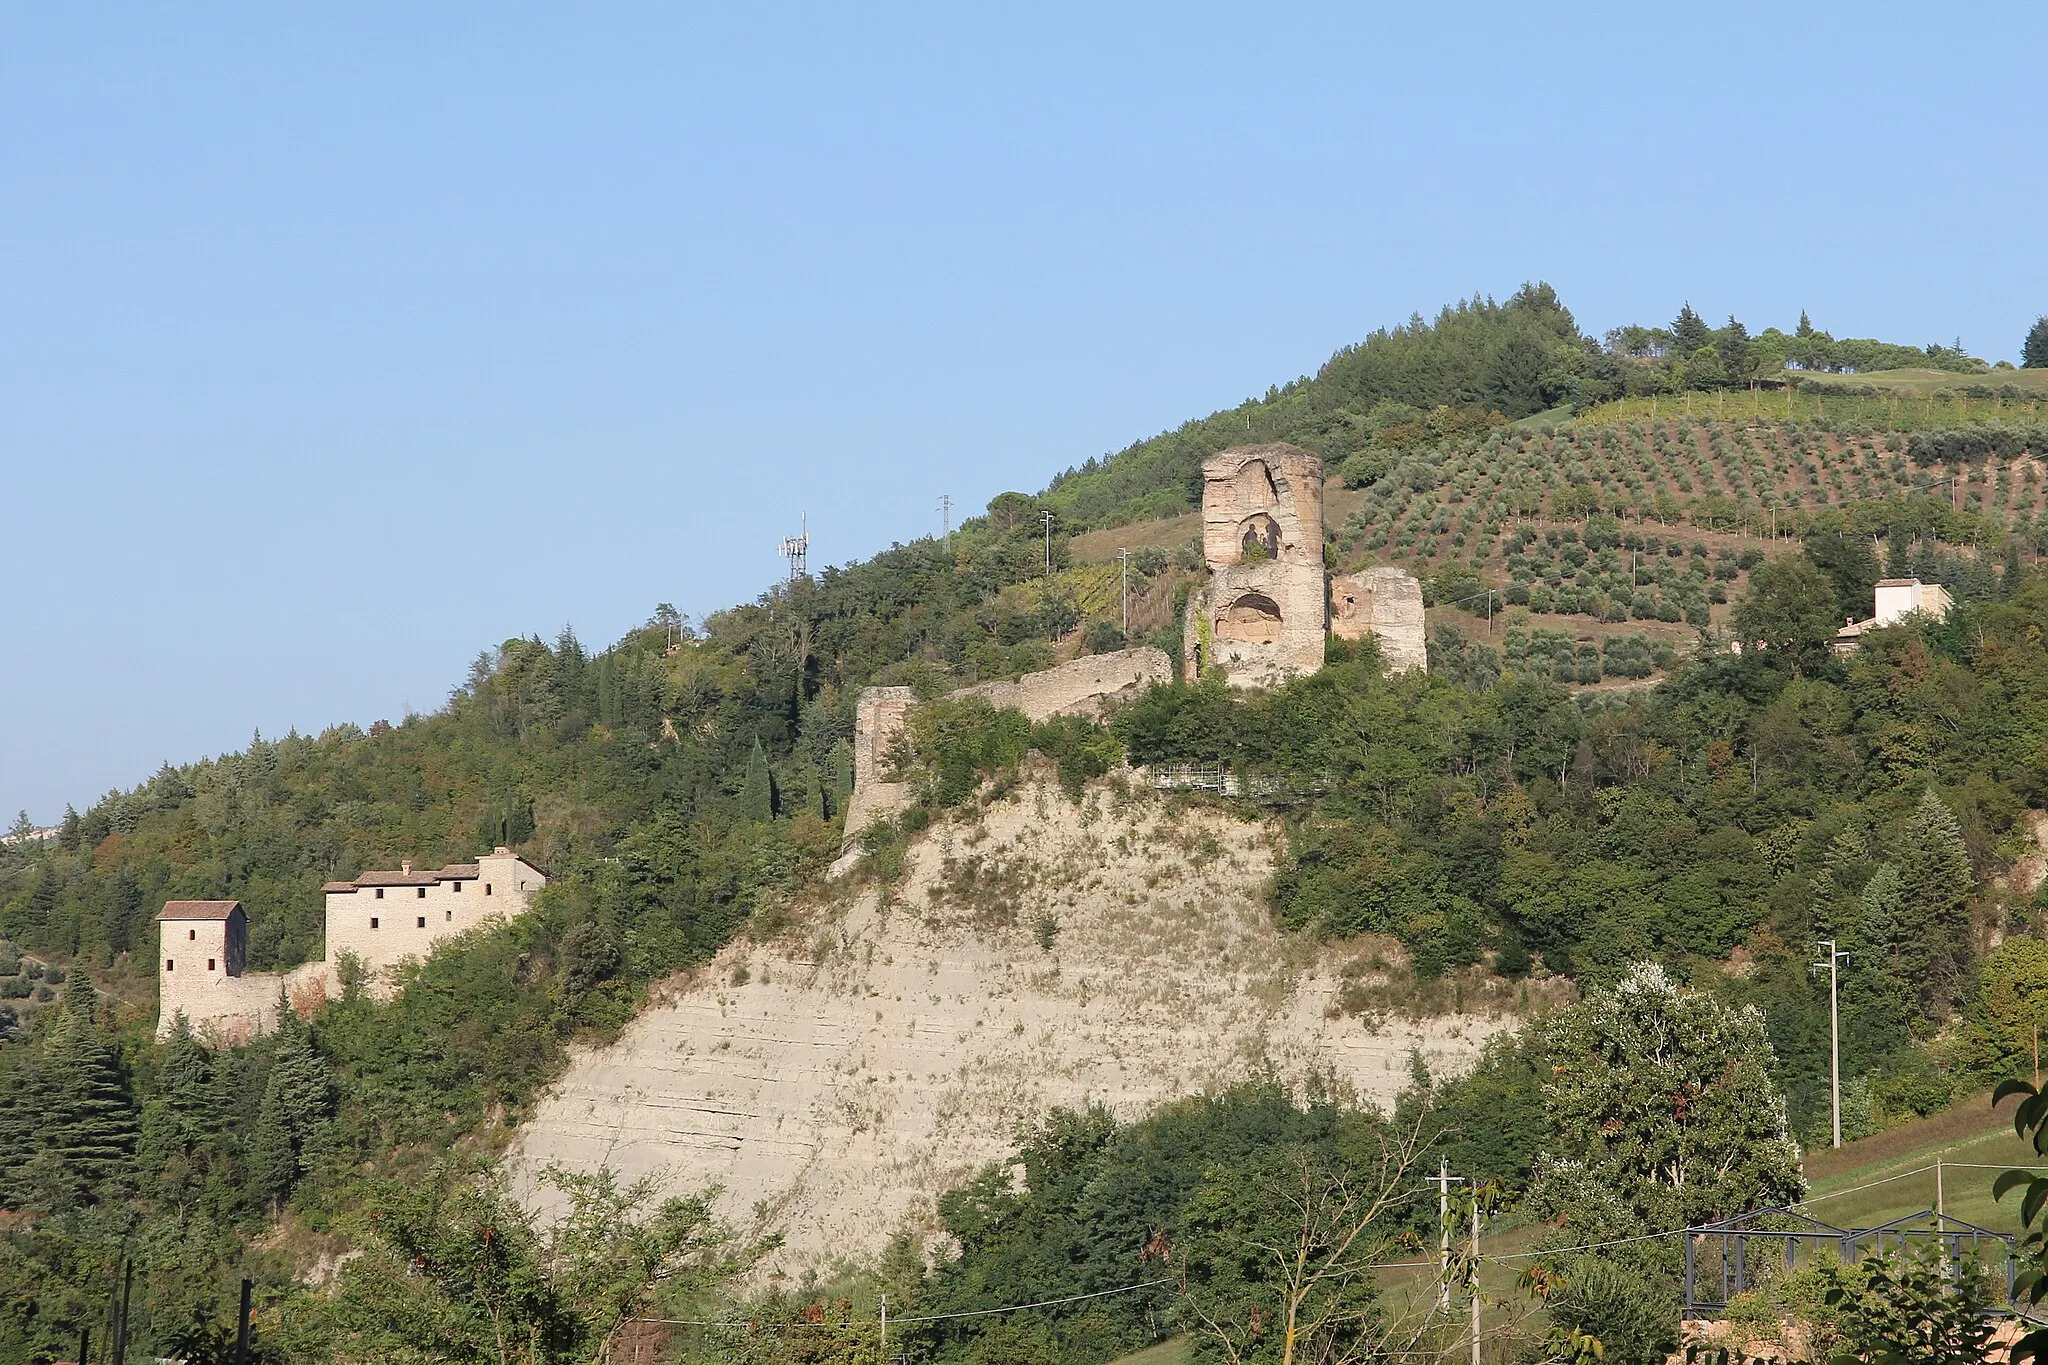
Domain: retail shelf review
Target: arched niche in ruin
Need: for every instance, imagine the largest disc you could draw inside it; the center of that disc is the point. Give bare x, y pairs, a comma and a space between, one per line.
1259, 536
1251, 618
1254, 486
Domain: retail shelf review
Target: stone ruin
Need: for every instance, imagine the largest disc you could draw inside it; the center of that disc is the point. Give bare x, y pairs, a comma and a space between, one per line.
1261, 619
1386, 602
1084, 687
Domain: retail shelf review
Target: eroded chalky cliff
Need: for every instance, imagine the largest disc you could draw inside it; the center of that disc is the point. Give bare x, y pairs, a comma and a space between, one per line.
1035, 954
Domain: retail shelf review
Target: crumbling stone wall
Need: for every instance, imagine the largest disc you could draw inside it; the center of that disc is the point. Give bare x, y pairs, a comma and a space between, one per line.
1083, 687
879, 718
1262, 616
1386, 602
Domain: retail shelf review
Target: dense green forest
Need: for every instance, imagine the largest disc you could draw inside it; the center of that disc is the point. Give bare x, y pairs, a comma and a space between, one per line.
687, 781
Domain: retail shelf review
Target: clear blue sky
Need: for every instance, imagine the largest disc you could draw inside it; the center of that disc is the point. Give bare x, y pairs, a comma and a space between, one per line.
336, 349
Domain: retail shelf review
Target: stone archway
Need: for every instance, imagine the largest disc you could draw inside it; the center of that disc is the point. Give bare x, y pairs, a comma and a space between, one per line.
1251, 618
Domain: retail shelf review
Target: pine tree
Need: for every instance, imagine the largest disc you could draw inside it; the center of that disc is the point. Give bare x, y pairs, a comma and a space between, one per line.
292, 1122
757, 797
1934, 916
1805, 328
1689, 332
87, 1115
180, 1116
1733, 343
2034, 351
273, 1165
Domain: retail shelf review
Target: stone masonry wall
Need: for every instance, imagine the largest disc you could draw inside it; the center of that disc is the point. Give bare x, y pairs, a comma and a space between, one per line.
1262, 617
407, 921
1386, 602
225, 1006
1083, 687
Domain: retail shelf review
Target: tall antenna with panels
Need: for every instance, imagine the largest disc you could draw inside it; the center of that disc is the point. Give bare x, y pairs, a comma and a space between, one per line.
797, 550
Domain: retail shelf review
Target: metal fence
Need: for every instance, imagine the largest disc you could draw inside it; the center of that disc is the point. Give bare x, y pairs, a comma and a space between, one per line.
1725, 1259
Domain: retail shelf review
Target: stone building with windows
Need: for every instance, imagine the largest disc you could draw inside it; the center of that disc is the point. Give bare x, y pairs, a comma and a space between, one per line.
379, 919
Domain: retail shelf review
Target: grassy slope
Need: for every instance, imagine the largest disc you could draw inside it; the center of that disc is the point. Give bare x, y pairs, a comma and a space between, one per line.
1933, 381
1972, 1144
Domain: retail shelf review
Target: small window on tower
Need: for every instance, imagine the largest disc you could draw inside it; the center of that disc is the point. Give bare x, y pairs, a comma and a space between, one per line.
192, 934
456, 885
450, 915
373, 921
168, 964
209, 964
487, 888
423, 921
423, 893
380, 893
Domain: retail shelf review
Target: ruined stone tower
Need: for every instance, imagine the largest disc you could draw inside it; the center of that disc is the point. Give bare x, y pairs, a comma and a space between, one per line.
1262, 616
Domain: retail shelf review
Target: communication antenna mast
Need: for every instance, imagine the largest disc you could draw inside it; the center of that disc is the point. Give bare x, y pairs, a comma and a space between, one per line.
797, 549
945, 516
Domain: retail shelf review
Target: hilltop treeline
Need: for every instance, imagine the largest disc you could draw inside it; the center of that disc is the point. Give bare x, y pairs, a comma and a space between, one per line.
1477, 363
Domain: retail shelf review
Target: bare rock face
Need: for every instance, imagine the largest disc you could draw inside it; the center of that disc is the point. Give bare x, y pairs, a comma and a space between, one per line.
1037, 954
1384, 602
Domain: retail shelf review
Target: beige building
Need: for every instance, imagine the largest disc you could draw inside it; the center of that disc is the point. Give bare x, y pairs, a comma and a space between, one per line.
1897, 598
385, 917
380, 918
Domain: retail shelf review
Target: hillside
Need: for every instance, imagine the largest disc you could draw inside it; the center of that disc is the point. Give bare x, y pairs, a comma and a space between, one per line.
1481, 363
846, 1070
1532, 815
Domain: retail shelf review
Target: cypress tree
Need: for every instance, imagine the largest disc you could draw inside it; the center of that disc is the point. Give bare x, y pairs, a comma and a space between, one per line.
2034, 351
757, 796
1733, 343
1689, 332
1934, 917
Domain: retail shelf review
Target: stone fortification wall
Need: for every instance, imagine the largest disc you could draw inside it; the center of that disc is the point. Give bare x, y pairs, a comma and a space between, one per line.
1386, 602
1084, 687
878, 720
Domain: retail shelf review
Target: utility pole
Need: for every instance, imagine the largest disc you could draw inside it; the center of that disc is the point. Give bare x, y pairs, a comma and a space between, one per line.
883, 1355
1475, 1274
1125, 556
1048, 544
121, 1322
1443, 1180
1834, 961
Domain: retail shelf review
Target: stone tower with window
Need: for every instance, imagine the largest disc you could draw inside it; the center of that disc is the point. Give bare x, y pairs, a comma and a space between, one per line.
1261, 618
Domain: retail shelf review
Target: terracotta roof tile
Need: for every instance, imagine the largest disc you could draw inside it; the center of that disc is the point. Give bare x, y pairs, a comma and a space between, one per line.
452, 872
198, 909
